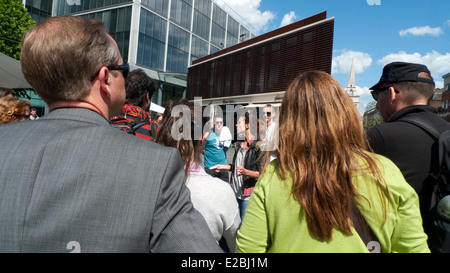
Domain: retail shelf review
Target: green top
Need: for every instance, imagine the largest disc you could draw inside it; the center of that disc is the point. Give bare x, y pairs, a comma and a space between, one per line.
275, 222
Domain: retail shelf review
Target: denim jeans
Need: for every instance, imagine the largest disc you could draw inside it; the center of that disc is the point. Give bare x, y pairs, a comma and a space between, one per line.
242, 207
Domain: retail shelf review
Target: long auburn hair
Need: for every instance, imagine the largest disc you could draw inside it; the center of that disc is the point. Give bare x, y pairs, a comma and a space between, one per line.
321, 138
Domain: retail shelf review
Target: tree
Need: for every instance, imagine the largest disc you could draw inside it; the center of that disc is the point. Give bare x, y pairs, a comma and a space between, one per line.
14, 22
371, 117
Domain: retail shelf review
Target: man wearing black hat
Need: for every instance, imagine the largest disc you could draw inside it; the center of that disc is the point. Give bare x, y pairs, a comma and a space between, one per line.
404, 90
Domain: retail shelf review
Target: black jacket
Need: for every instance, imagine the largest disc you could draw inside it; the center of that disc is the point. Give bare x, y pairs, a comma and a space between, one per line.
409, 147
252, 162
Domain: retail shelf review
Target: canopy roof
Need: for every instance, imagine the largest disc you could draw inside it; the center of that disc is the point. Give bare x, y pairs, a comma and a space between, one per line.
11, 75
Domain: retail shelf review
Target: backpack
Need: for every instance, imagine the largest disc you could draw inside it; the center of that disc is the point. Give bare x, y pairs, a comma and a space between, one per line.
437, 223
132, 124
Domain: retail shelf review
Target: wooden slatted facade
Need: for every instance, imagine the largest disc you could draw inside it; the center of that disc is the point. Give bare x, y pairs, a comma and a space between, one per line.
266, 63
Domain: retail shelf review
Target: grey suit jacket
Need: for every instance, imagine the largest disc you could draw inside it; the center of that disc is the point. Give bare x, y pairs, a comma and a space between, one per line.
69, 182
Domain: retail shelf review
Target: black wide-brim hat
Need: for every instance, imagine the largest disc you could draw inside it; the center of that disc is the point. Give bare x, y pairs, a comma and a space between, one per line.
403, 72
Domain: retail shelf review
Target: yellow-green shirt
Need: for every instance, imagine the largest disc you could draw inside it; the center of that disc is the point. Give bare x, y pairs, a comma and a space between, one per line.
275, 220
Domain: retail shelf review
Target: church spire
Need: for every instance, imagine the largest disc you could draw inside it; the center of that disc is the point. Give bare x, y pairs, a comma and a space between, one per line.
351, 86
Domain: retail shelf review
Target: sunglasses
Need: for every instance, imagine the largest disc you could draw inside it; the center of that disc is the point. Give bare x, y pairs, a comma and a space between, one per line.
125, 68
218, 122
376, 91
267, 113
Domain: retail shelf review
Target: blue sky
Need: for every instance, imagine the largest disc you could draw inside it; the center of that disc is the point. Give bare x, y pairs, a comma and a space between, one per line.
371, 32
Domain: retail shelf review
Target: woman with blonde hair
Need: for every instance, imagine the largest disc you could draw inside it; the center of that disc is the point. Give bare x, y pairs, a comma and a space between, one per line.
325, 191
13, 109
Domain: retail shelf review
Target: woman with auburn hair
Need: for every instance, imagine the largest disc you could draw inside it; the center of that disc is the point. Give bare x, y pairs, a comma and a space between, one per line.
13, 109
211, 196
325, 186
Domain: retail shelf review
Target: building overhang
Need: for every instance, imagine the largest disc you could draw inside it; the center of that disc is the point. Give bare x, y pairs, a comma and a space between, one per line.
253, 100
177, 79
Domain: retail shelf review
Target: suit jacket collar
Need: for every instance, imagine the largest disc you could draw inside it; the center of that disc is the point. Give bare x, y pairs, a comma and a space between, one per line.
77, 114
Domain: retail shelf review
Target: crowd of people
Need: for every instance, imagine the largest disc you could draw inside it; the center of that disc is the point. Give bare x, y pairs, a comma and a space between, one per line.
105, 177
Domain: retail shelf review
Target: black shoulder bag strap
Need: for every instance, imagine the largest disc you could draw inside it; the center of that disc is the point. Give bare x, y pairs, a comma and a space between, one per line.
443, 157
427, 126
364, 230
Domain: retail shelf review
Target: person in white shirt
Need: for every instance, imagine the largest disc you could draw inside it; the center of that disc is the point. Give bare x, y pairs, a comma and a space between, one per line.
271, 139
33, 114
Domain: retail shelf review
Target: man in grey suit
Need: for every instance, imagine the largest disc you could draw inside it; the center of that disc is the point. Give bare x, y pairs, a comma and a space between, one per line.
81, 185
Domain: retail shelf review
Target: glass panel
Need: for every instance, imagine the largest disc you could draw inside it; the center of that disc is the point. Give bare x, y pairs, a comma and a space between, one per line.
117, 22
201, 25
159, 6
64, 7
181, 13
218, 35
199, 48
219, 16
152, 36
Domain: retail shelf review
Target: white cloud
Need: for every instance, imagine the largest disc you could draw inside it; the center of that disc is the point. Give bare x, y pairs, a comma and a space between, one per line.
422, 31
250, 11
343, 62
436, 62
447, 23
288, 19
363, 91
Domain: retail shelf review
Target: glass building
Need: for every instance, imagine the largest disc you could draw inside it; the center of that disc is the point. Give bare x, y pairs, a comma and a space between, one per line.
162, 37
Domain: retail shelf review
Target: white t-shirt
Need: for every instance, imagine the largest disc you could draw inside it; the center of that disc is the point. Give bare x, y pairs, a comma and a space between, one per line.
225, 137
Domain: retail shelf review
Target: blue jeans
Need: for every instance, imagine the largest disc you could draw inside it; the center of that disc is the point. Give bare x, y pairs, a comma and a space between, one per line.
242, 207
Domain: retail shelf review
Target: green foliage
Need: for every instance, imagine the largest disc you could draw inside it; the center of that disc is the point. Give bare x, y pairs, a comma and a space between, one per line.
372, 119
14, 22
371, 105
370, 122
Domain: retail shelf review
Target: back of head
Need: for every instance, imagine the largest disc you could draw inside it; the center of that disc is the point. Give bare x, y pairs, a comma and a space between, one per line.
413, 79
60, 54
137, 85
318, 112
13, 109
321, 117
185, 126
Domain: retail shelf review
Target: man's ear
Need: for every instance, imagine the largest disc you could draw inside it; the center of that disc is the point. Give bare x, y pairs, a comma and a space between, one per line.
393, 96
104, 77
